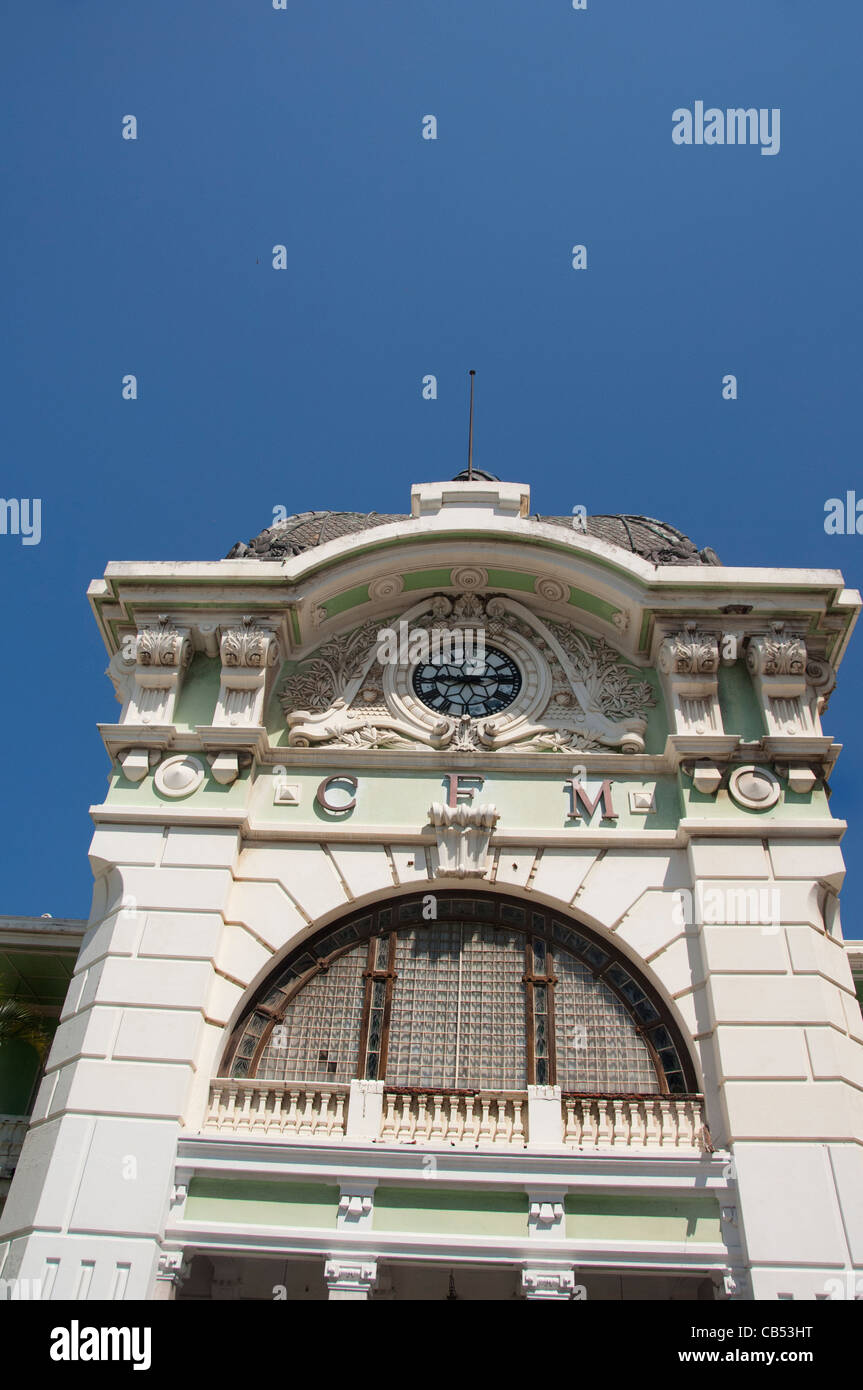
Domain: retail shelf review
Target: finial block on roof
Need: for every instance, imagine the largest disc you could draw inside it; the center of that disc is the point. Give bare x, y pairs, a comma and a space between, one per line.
492, 497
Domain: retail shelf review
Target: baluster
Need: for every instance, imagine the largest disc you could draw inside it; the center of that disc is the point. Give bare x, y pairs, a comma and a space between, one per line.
503, 1132
455, 1126
620, 1131
667, 1135
471, 1127
292, 1122
244, 1118
603, 1132
259, 1120
212, 1120
485, 1127
422, 1127
306, 1121
229, 1119
339, 1121
389, 1128
572, 1127
276, 1115
637, 1126
437, 1125
518, 1136
589, 1127
652, 1136
685, 1124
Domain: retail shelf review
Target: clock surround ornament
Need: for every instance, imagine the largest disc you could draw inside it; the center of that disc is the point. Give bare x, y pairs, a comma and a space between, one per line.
574, 693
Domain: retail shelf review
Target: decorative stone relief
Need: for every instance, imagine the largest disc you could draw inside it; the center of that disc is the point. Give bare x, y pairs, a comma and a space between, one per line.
469, 577
754, 788
163, 654
249, 656
552, 590
777, 662
179, 776
575, 693
688, 662
463, 833
389, 586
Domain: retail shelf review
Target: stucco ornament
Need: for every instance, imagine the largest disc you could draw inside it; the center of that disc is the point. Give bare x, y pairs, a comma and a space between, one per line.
575, 694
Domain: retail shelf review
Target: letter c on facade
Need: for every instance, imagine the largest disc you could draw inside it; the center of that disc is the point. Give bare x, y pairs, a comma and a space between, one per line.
322, 797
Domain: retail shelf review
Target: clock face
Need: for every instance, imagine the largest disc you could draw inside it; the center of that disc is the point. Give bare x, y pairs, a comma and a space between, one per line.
467, 687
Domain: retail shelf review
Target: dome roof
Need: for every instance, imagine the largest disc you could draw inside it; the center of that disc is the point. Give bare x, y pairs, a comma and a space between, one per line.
654, 541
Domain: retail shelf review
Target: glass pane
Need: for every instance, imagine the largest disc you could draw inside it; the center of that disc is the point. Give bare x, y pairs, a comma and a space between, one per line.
598, 1046
322, 1021
458, 1018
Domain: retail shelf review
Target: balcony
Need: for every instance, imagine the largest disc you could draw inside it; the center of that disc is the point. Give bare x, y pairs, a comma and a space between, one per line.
374, 1112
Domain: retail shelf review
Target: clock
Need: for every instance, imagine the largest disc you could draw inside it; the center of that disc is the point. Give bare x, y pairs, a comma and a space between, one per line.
468, 687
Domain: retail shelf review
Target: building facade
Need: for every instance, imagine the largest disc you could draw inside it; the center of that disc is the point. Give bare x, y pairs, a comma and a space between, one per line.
465, 924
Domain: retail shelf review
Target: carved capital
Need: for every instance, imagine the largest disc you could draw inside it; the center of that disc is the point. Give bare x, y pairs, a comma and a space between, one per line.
777, 653
689, 653
248, 645
164, 645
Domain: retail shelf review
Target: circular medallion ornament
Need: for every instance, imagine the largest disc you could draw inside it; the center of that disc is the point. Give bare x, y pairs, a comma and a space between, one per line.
470, 687
469, 577
552, 590
754, 788
385, 588
179, 776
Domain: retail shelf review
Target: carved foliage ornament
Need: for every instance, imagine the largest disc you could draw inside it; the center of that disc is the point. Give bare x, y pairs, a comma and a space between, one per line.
163, 645
248, 646
690, 653
777, 654
576, 693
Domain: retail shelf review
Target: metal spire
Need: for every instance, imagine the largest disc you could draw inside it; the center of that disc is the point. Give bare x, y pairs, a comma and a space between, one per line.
470, 432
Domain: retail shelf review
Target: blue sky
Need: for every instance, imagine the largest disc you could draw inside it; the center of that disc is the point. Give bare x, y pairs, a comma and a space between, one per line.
301, 388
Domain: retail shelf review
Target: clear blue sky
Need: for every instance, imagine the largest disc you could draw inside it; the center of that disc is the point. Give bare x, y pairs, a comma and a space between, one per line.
406, 257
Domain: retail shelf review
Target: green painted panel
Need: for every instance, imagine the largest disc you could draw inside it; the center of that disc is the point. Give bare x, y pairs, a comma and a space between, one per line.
387, 797
439, 1210
686, 1218
122, 792
248, 1202
580, 598
349, 599
790, 806
657, 729
427, 579
199, 693
741, 713
511, 579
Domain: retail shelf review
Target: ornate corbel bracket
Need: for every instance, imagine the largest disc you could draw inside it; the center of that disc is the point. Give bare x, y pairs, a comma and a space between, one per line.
250, 656
689, 664
777, 663
463, 834
162, 657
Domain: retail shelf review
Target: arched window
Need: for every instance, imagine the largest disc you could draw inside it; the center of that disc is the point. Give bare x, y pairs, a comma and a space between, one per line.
489, 994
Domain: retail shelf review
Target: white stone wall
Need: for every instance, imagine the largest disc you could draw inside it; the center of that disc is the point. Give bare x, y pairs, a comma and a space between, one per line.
186, 921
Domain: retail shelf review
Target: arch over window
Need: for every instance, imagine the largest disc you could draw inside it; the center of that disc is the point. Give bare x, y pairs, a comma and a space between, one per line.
491, 993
